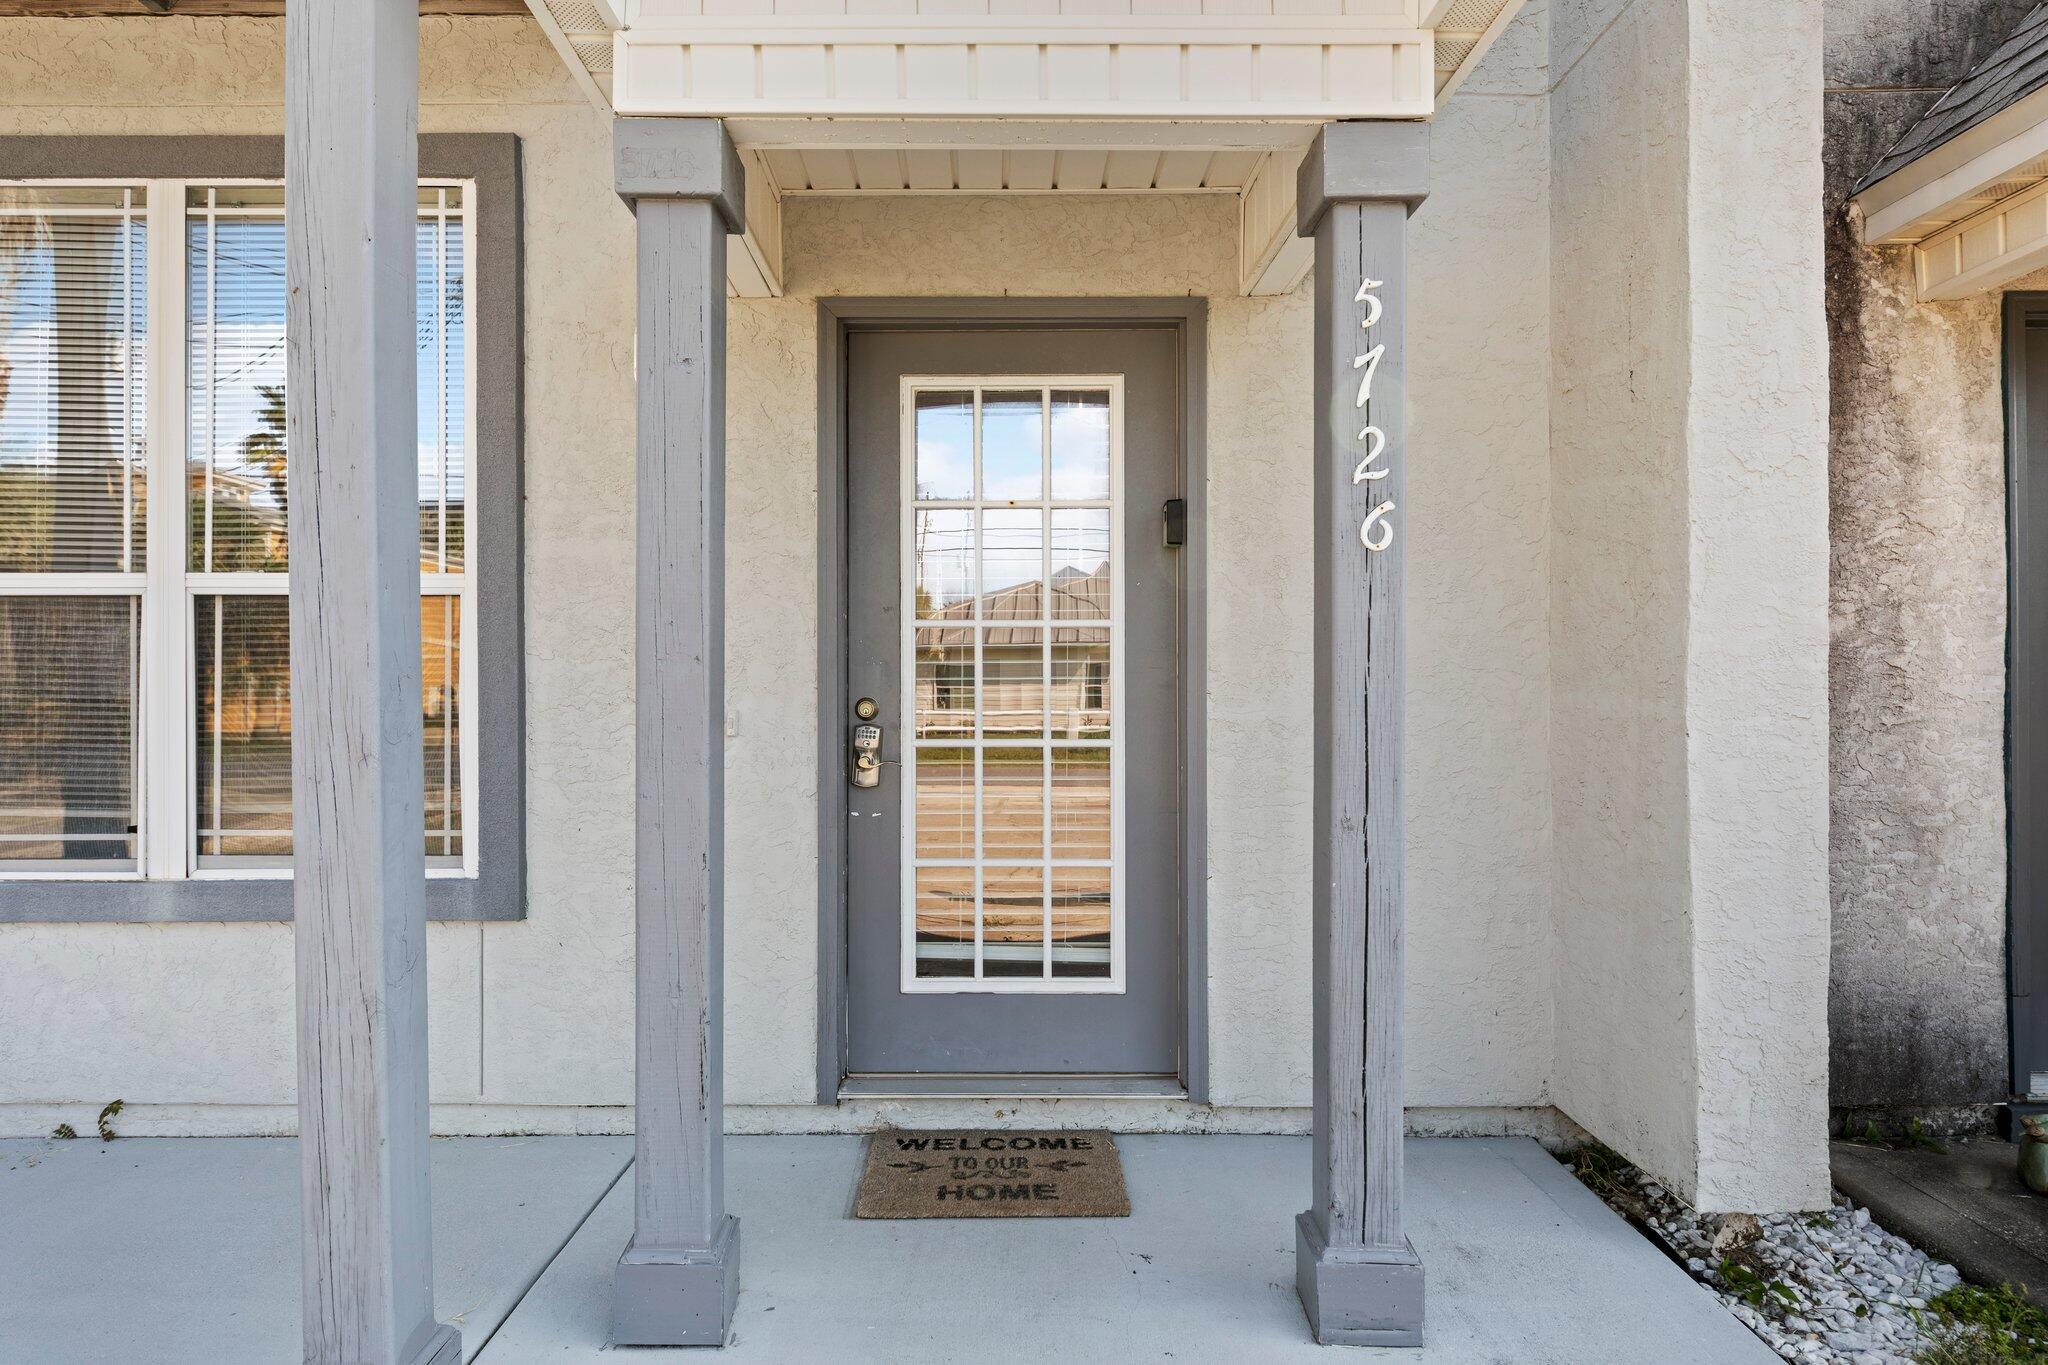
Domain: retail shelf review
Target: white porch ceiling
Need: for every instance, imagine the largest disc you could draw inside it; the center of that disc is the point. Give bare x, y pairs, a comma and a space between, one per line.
1024, 96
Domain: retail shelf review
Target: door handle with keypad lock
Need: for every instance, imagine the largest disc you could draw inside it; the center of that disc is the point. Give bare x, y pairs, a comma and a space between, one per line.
867, 746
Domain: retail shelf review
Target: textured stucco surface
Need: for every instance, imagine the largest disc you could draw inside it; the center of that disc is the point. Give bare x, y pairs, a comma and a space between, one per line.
532, 1022
1917, 678
1689, 720
1625, 1061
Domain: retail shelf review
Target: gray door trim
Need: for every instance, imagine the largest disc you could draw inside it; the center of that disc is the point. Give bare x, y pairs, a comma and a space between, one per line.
2026, 721
839, 317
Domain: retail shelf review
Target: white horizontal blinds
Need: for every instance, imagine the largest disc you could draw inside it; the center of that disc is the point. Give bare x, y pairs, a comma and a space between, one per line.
68, 672
73, 297
243, 738
443, 411
234, 306
1010, 800
238, 473
441, 717
73, 445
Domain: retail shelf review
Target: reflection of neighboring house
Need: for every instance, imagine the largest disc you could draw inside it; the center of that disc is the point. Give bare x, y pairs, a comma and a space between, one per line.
1014, 690
251, 494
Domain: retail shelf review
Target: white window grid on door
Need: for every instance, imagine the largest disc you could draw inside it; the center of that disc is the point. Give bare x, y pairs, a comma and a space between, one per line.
976, 386
168, 589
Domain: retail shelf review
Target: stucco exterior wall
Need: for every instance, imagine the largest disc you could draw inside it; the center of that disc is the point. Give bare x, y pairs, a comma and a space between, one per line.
1689, 593
1625, 1060
532, 1022
1918, 601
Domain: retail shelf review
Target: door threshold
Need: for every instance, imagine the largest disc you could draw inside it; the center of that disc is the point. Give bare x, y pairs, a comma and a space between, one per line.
1020, 1086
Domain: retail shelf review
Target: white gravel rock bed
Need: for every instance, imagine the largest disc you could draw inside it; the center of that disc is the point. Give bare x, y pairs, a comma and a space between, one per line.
1829, 1289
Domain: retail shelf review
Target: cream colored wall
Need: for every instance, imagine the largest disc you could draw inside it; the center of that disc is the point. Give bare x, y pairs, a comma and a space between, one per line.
1689, 452
538, 1014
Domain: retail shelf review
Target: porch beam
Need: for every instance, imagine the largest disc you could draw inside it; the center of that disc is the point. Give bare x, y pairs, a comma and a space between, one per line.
677, 1279
1359, 1279
358, 860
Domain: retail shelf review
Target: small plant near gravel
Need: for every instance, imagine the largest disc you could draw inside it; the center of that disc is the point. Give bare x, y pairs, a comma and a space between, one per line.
1755, 1290
1970, 1325
1914, 1135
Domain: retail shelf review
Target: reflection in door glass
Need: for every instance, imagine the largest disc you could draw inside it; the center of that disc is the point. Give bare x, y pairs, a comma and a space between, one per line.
1013, 921
1013, 447
1080, 922
1080, 564
945, 683
942, 542
1080, 446
945, 921
1013, 803
945, 447
1015, 763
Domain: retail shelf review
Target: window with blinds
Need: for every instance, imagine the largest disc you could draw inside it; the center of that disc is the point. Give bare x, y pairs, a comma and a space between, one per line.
144, 639
73, 442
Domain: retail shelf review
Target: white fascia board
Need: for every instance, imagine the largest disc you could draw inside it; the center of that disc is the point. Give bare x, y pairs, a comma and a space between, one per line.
1985, 251
1961, 167
1109, 67
908, 134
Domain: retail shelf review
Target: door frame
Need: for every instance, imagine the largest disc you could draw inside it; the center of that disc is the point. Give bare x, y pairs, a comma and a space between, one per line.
839, 319
2026, 723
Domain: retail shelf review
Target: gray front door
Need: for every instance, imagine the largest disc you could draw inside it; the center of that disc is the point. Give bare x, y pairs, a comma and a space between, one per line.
1013, 877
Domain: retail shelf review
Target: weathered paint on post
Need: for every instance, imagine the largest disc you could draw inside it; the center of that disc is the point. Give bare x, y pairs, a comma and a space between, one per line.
676, 1281
359, 890
1358, 1277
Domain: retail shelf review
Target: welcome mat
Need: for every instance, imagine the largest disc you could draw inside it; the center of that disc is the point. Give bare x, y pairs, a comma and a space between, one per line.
990, 1173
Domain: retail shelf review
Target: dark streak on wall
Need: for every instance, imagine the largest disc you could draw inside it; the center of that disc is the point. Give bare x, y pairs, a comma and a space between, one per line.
1917, 838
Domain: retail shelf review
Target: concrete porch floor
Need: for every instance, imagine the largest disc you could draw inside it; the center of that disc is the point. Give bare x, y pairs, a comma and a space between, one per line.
180, 1250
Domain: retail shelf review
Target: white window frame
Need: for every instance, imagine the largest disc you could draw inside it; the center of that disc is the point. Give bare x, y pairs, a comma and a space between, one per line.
978, 384
166, 767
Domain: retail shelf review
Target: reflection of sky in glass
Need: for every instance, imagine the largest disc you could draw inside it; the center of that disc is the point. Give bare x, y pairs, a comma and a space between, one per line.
945, 447
236, 306
1012, 548
95, 254
945, 559
1080, 446
1012, 447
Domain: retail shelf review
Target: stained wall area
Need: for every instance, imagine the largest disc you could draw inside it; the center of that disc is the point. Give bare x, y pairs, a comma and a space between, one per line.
1917, 1009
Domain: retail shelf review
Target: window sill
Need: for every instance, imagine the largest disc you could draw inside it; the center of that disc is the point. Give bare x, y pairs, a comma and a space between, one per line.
222, 900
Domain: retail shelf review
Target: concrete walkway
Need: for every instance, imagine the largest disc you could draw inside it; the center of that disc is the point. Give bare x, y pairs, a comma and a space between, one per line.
1964, 1203
185, 1250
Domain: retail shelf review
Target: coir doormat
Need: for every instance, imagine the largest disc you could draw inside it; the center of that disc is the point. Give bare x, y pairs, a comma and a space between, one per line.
986, 1173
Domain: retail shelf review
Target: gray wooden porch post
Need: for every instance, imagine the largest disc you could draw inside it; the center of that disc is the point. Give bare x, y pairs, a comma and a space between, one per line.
359, 895
676, 1282
1358, 1277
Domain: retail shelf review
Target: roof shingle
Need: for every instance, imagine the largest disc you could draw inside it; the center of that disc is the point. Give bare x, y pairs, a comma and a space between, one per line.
2015, 69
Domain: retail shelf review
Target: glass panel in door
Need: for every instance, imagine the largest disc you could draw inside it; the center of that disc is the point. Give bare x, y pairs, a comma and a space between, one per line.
1012, 807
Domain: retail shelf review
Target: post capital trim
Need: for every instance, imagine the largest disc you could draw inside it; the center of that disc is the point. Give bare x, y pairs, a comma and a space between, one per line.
1381, 161
680, 158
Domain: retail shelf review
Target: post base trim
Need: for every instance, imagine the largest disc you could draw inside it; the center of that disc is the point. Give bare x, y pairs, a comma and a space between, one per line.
1359, 1296
666, 1297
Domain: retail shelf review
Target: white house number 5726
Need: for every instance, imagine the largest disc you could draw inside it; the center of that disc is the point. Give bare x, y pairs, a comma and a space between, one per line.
1377, 531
